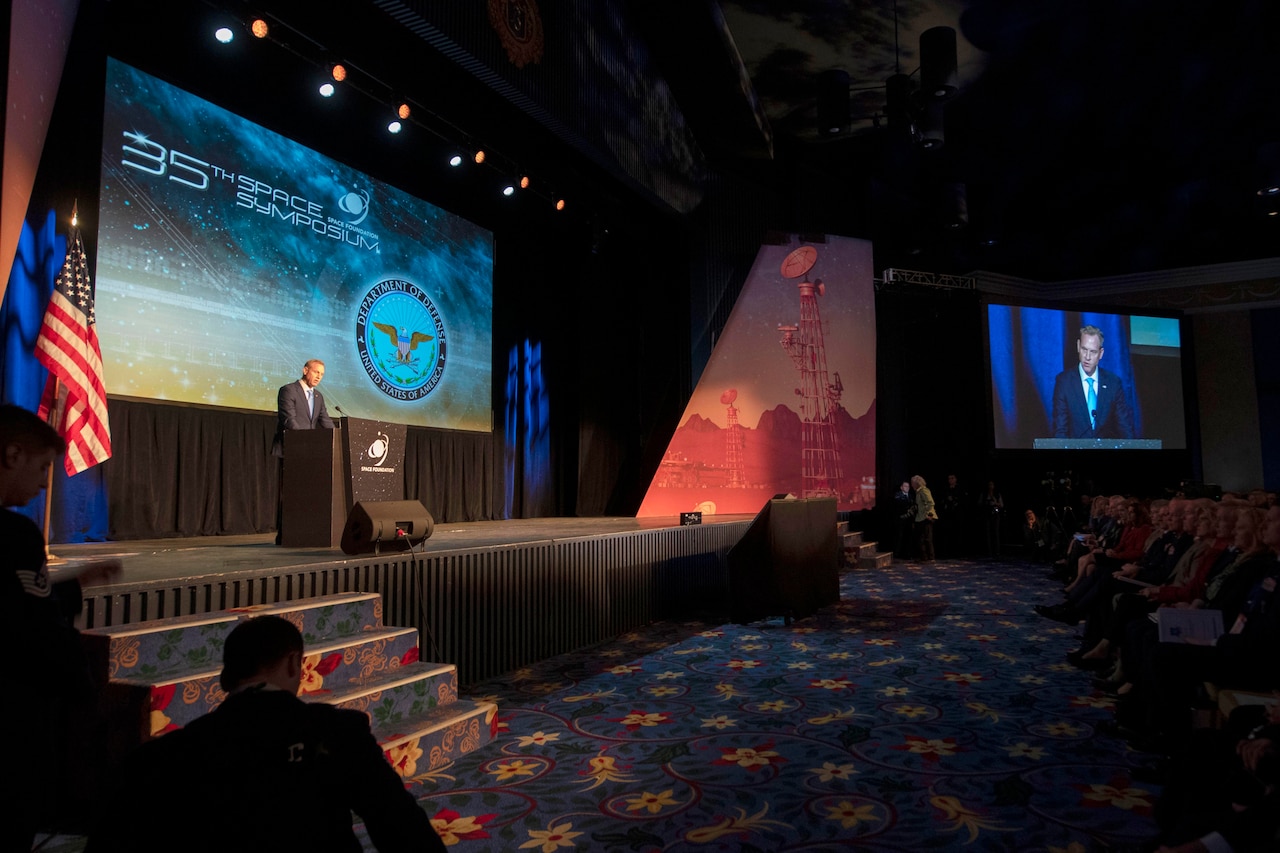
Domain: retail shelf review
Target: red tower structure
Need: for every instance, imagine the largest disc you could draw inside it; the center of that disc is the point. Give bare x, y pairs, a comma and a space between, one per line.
819, 397
734, 441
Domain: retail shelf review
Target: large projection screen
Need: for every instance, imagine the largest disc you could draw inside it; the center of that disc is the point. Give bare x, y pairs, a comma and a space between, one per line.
1037, 397
229, 255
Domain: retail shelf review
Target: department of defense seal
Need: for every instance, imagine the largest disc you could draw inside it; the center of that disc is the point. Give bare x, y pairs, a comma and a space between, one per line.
401, 339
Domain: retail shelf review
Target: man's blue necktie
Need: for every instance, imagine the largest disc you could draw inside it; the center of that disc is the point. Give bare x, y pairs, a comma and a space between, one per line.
311, 406
1093, 404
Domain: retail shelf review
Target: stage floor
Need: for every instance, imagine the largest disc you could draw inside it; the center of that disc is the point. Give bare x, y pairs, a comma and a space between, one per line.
148, 560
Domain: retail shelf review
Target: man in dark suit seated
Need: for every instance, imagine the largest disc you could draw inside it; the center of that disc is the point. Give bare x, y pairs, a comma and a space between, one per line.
264, 771
298, 406
1089, 402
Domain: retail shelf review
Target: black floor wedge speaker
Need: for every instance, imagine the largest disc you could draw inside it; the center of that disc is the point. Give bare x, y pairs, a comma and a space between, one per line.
376, 526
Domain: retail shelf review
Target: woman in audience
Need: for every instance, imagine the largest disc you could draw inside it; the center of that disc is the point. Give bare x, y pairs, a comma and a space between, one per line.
1034, 536
1111, 613
1222, 555
1135, 530
1166, 675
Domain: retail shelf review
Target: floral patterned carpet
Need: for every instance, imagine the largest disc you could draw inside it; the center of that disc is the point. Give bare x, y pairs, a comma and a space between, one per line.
930, 710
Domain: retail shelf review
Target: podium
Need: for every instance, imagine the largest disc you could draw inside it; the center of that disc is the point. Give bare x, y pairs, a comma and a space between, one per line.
328, 471
787, 563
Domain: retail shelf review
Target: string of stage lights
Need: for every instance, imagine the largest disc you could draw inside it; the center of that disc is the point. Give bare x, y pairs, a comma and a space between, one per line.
400, 110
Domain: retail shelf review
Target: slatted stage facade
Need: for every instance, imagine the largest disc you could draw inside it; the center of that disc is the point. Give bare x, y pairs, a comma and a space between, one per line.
487, 596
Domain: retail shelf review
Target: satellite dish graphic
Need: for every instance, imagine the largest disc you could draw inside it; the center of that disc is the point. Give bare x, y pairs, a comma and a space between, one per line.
799, 262
729, 396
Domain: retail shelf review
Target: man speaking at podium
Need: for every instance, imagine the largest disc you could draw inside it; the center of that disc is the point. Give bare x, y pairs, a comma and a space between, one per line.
298, 406
1089, 402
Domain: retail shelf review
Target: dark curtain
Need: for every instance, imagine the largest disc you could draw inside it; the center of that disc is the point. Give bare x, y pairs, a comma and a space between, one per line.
451, 473
190, 471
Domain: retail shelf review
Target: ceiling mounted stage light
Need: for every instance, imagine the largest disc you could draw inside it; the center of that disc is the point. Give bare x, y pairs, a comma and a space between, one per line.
395, 126
455, 160
525, 182
327, 89
224, 35
403, 110
479, 158
559, 204
259, 28
509, 190
338, 71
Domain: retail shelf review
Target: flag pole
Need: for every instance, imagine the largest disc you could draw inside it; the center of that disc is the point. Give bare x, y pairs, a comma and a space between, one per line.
55, 416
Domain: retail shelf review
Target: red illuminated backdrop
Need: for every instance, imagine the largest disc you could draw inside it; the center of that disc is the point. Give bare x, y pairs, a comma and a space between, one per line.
786, 403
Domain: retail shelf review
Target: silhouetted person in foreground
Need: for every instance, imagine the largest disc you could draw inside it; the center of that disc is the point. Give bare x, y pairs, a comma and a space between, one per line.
50, 746
264, 771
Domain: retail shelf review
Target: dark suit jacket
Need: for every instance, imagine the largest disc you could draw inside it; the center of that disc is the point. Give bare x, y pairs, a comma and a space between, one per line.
264, 772
291, 413
1071, 410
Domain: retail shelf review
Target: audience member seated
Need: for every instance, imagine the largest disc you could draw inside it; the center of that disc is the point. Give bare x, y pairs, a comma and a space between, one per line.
1167, 675
1132, 544
1101, 531
1222, 788
1035, 543
1119, 603
1160, 559
1222, 555
264, 771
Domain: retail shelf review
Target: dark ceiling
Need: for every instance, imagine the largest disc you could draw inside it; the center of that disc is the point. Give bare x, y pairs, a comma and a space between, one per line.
1088, 138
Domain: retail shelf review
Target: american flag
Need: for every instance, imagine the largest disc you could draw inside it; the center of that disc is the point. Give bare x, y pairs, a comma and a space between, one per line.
68, 346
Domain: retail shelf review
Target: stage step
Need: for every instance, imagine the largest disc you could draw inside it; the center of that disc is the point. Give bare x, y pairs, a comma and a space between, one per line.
164, 674
863, 554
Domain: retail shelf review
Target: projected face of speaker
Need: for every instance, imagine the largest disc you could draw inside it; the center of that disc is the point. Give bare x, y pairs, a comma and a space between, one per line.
1089, 347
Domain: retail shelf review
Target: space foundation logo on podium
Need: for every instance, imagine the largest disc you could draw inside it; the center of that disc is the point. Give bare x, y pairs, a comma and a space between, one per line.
401, 340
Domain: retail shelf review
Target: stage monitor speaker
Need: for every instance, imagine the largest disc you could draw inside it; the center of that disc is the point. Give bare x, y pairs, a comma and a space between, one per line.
374, 526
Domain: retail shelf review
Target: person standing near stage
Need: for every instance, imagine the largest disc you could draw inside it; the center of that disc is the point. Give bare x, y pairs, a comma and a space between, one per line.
264, 771
51, 699
992, 503
904, 510
298, 406
953, 512
925, 516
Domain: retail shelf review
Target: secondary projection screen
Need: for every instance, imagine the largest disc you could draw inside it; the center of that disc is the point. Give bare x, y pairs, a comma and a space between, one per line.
1039, 395
229, 255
